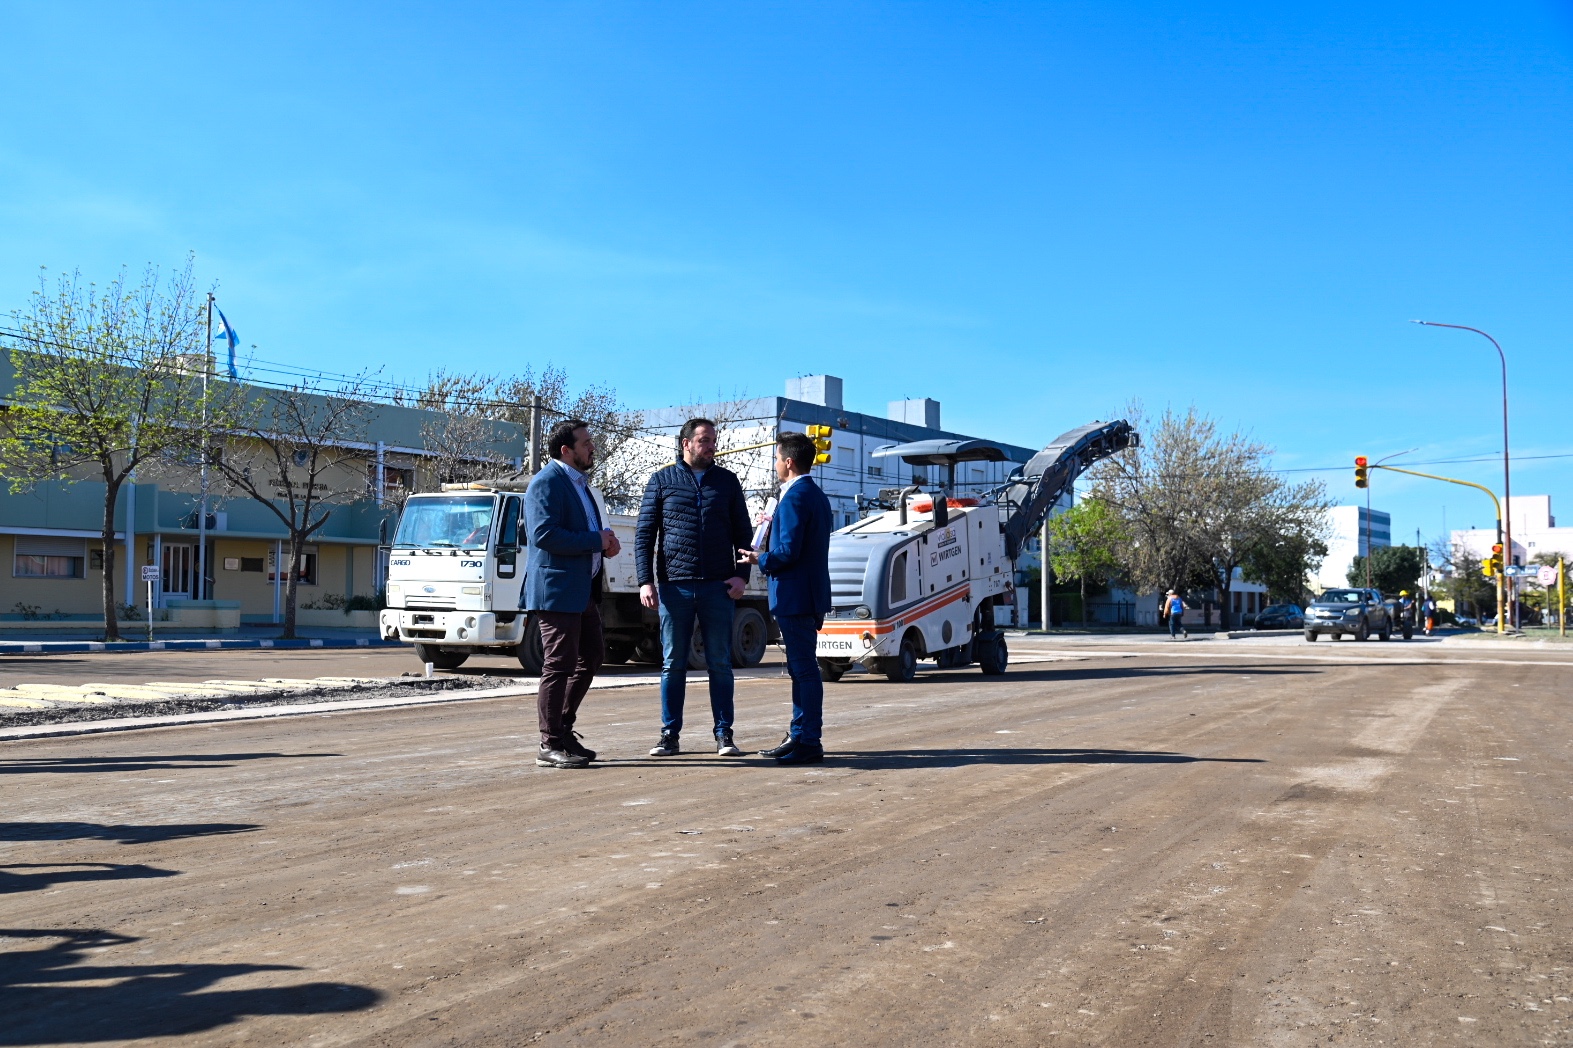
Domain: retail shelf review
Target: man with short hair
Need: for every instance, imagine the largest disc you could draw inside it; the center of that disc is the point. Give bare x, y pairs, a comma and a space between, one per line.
691, 520
569, 542
797, 561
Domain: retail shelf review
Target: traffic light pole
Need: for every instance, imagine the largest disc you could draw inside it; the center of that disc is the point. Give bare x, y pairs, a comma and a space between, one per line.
1501, 625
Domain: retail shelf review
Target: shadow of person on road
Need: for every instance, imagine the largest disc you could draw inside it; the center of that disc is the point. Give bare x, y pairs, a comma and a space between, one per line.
157, 762
960, 757
48, 874
92, 831
51, 997
1055, 672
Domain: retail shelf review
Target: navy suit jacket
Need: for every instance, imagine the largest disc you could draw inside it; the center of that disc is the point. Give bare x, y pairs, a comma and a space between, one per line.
562, 543
798, 560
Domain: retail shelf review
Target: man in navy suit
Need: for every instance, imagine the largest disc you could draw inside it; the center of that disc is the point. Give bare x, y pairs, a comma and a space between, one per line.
797, 562
568, 544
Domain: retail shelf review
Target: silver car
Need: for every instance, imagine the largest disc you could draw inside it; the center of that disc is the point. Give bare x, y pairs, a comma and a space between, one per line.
1357, 612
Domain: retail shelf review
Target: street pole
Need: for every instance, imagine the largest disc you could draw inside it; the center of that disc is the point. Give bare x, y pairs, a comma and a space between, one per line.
1562, 596
202, 515
1044, 581
1507, 478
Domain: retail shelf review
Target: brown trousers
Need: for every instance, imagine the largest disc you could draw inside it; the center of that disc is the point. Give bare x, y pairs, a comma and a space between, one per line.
573, 652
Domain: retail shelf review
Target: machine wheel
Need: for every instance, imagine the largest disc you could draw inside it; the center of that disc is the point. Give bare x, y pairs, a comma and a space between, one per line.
618, 651
647, 649
750, 636
1409, 631
832, 670
1310, 635
1364, 632
903, 666
530, 652
993, 655
442, 660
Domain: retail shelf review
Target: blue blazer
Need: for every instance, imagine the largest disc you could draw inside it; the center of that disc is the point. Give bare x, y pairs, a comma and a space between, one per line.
562, 543
798, 560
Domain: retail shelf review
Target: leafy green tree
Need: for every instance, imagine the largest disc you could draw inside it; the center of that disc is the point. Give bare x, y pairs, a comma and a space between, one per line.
1084, 545
1393, 568
1282, 562
108, 379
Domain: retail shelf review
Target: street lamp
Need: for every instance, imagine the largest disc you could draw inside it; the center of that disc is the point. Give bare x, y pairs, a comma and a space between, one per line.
1507, 480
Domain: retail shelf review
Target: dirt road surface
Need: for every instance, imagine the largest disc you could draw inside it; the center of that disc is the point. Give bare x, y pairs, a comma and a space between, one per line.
1154, 845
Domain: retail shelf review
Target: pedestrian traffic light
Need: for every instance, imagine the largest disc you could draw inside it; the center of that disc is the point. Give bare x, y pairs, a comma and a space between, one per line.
1492, 565
820, 435
1362, 475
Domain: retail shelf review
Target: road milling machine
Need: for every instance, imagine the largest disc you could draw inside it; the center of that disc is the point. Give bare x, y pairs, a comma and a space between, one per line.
921, 580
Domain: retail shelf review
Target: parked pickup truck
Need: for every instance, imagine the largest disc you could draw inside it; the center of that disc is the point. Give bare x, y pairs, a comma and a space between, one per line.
1357, 612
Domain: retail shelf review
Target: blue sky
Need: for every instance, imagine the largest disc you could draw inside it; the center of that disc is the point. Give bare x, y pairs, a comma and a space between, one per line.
1034, 213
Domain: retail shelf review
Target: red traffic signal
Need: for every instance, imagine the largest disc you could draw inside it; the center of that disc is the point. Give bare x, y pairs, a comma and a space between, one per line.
1496, 550
1362, 477
1360, 460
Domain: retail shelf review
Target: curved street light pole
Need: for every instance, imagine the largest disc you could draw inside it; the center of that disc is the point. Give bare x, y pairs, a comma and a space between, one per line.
1505, 536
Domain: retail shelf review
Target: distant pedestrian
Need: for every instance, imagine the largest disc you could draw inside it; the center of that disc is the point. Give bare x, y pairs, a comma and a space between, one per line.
797, 561
692, 520
562, 590
1429, 606
1174, 609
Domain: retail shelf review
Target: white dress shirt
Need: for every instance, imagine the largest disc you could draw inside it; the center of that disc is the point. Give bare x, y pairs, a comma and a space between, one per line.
581, 484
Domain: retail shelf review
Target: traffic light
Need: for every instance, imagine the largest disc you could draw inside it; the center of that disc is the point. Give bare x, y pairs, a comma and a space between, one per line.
820, 435
1492, 565
1362, 475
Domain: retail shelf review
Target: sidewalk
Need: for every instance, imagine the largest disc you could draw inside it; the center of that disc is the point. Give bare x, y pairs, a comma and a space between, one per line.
308, 638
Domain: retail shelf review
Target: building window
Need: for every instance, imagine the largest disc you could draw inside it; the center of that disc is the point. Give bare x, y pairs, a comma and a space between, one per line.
32, 566
47, 557
307, 575
252, 564
876, 471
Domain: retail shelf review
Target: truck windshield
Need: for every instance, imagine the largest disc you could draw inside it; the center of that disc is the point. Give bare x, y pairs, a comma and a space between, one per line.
460, 522
1343, 597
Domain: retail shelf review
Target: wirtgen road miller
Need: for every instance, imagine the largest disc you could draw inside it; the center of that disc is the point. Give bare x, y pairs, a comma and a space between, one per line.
922, 579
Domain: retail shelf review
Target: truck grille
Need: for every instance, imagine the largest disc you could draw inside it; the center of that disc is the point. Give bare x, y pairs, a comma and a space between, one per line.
439, 603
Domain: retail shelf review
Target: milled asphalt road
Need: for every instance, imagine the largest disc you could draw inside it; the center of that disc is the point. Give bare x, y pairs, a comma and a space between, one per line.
1253, 843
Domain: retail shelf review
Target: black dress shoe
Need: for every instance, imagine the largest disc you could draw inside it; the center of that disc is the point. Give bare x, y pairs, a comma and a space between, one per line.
572, 745
782, 750
553, 757
801, 754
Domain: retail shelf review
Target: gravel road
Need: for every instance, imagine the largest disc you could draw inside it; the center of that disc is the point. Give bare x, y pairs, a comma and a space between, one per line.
1137, 845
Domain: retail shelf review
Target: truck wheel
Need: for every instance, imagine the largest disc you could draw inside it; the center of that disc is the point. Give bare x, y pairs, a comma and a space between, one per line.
530, 652
833, 670
618, 651
1364, 632
993, 655
1310, 635
442, 660
696, 650
749, 634
1385, 633
903, 666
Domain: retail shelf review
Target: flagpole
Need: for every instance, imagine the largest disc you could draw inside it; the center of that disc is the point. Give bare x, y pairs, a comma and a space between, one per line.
202, 514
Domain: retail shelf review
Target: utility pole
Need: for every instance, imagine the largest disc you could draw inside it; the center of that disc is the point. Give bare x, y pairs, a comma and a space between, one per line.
535, 434
202, 513
1045, 578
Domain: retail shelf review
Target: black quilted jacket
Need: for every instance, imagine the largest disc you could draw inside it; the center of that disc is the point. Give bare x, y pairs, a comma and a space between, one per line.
688, 531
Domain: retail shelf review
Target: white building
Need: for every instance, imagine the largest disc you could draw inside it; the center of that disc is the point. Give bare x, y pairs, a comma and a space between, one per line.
1534, 531
1352, 534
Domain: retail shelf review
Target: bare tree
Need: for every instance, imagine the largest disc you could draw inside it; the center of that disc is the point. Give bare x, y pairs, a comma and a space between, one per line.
298, 451
1199, 504
109, 380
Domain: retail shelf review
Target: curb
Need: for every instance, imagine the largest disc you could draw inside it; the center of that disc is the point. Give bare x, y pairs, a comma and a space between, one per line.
49, 647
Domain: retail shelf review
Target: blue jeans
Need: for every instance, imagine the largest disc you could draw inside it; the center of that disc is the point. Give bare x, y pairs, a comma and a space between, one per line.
799, 635
681, 604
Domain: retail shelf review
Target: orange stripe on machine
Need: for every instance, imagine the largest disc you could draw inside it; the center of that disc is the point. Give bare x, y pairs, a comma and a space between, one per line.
881, 626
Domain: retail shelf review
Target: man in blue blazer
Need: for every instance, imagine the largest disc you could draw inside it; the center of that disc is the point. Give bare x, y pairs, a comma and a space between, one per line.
797, 562
562, 587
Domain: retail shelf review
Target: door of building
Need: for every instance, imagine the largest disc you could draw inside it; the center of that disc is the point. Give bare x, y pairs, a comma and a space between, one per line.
178, 569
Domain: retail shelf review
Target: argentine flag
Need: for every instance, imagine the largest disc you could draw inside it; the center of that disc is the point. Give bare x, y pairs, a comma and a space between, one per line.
227, 333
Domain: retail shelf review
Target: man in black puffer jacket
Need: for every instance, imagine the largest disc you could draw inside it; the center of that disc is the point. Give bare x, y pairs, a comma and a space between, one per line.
692, 521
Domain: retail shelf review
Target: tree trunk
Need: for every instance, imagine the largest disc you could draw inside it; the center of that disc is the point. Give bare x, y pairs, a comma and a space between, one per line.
297, 542
1084, 601
111, 619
